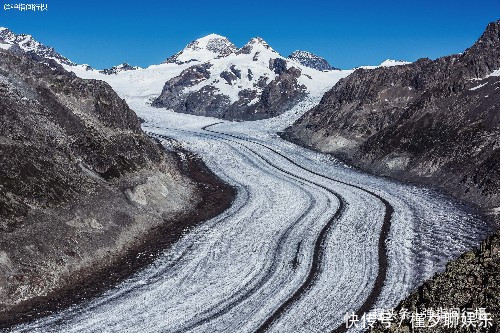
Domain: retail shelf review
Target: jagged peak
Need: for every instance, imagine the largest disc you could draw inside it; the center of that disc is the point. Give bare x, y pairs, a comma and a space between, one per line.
255, 44
491, 34
259, 41
8, 36
205, 48
209, 41
27, 44
483, 55
5, 30
211, 36
310, 60
125, 65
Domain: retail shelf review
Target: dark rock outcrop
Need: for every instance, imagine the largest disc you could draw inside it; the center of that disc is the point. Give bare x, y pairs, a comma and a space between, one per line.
277, 65
432, 122
232, 74
205, 101
311, 60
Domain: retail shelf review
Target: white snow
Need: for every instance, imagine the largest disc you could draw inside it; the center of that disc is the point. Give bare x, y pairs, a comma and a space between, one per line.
479, 86
387, 63
390, 63
494, 73
148, 82
495, 211
205, 49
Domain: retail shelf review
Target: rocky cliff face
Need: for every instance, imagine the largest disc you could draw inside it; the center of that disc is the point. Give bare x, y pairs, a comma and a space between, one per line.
310, 60
433, 122
80, 184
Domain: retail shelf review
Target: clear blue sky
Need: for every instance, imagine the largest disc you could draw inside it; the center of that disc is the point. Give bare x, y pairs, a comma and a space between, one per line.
347, 33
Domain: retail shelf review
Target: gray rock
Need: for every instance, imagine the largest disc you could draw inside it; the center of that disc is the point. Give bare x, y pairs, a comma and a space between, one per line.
278, 65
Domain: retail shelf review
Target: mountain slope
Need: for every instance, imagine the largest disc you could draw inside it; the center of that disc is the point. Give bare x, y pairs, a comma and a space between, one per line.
82, 187
434, 122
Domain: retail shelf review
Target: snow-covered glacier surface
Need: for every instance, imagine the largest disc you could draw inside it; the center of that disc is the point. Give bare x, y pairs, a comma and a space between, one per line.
306, 240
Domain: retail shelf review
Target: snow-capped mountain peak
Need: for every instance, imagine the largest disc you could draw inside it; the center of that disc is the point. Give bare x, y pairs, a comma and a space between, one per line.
253, 83
311, 60
254, 45
28, 45
210, 47
6, 33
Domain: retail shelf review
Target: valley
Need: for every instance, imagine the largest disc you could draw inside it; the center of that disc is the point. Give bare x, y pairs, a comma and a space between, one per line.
296, 237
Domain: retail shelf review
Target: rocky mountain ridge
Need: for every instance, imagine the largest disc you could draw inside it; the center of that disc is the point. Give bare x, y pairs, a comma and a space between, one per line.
432, 122
26, 44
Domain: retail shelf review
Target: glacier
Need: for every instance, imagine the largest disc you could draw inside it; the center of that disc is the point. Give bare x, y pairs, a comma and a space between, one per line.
302, 244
